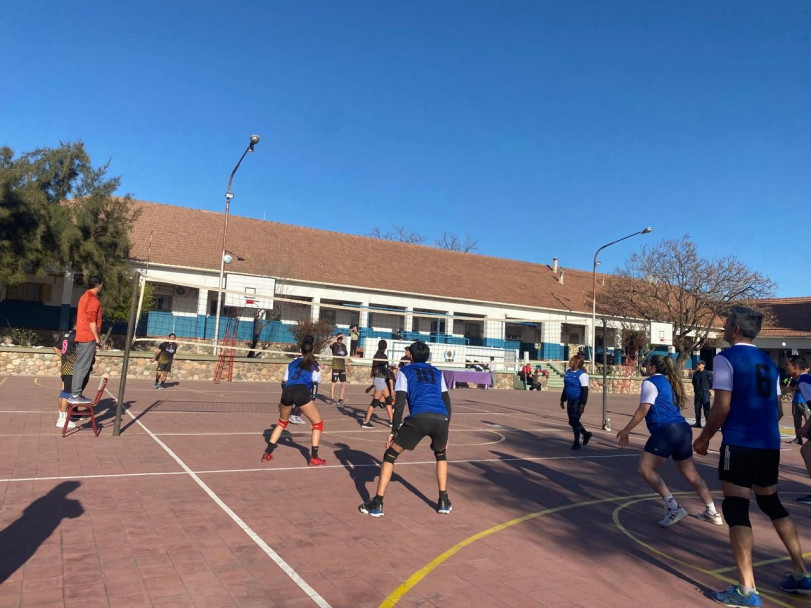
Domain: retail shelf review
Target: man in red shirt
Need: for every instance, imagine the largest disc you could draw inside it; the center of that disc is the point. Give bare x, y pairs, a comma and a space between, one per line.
88, 328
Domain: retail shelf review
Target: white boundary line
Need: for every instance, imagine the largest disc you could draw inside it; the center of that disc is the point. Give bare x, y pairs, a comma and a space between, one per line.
312, 593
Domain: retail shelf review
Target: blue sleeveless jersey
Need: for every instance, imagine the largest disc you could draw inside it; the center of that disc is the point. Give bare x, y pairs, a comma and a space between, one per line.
753, 411
663, 410
571, 383
804, 386
298, 375
424, 390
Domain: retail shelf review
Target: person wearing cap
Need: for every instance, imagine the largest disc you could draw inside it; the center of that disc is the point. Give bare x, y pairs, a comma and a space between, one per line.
702, 382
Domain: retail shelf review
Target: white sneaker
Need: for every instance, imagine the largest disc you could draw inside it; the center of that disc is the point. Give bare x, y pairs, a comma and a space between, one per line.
296, 420
672, 517
713, 518
60, 423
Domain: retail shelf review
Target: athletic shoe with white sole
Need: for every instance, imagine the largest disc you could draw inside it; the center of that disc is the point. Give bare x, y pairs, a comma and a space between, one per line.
672, 517
372, 507
713, 518
791, 585
296, 420
60, 423
444, 505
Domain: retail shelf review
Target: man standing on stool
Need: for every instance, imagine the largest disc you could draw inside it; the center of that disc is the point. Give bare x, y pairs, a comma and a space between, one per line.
747, 409
702, 383
88, 326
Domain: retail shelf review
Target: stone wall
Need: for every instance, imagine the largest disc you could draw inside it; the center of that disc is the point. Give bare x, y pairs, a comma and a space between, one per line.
15, 361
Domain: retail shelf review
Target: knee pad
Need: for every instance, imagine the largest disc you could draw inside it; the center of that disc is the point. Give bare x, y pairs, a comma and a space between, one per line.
375, 403
390, 455
770, 504
318, 426
441, 455
736, 511
389, 400
283, 423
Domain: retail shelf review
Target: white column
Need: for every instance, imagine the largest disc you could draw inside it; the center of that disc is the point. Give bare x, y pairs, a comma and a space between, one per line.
315, 309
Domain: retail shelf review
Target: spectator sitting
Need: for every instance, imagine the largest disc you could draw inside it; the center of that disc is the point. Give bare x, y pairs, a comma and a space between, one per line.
540, 379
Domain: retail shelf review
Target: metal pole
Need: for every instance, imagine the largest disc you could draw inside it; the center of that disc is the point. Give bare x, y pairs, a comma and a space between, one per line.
594, 294
228, 197
136, 282
606, 421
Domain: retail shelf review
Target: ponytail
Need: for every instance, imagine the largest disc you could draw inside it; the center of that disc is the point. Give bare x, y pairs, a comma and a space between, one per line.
664, 365
308, 361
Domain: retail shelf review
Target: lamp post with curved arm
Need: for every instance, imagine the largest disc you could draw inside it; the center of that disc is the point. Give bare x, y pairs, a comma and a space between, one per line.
224, 254
594, 313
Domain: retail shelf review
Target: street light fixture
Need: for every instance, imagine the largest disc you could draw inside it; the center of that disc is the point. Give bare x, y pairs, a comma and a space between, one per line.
594, 314
225, 257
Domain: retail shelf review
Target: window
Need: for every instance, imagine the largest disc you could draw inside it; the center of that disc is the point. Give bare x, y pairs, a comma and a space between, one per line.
328, 315
29, 292
162, 303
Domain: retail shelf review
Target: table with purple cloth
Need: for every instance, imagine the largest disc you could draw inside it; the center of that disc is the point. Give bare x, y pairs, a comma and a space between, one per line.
471, 377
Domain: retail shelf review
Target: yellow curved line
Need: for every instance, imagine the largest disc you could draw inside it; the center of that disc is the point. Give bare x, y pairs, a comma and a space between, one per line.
420, 574
714, 573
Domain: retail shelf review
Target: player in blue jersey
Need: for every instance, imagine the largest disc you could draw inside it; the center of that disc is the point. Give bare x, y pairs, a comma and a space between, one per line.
429, 405
747, 409
297, 391
804, 388
795, 367
660, 405
574, 397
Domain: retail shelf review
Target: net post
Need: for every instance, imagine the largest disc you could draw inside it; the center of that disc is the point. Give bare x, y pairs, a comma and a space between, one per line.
136, 282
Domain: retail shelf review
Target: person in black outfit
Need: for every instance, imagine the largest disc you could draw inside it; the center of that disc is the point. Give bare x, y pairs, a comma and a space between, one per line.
702, 383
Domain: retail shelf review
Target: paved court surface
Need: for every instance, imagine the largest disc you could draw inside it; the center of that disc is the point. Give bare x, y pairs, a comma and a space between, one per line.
178, 510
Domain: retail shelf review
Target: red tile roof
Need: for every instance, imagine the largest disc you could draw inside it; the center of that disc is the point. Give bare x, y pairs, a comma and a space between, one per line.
790, 317
186, 237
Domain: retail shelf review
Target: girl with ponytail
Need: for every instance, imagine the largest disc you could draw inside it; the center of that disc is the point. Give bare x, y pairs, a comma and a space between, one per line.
660, 405
297, 386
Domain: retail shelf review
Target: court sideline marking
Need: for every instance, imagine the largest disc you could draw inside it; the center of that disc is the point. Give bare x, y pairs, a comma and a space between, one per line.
285, 567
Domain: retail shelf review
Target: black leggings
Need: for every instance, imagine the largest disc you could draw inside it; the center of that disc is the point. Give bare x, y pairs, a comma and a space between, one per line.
574, 412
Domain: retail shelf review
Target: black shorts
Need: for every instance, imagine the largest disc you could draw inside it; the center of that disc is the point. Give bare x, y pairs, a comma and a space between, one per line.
414, 428
339, 375
746, 467
296, 394
165, 367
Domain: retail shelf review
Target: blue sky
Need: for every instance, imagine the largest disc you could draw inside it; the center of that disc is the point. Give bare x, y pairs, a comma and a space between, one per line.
541, 129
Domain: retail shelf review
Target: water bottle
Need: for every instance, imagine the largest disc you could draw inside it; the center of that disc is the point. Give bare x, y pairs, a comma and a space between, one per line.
608, 424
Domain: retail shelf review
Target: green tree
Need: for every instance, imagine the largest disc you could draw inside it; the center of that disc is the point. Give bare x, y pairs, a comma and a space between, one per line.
58, 211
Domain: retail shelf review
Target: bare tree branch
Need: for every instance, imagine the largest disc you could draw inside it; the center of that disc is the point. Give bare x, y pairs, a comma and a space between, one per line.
671, 283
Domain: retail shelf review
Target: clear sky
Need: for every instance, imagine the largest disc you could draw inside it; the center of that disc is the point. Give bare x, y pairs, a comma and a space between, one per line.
541, 128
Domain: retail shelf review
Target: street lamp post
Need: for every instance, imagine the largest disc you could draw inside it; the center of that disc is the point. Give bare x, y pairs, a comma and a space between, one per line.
224, 257
594, 314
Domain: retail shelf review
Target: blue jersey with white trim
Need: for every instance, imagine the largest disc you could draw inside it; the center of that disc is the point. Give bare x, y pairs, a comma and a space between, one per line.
572, 383
298, 375
424, 385
804, 386
754, 408
663, 410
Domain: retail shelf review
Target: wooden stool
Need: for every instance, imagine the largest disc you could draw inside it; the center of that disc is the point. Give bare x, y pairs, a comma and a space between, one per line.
78, 409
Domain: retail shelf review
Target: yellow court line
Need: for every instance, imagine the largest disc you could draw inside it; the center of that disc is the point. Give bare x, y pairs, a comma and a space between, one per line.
714, 573
420, 574
3, 380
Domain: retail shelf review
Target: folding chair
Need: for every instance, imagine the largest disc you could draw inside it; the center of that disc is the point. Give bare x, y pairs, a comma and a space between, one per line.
77, 409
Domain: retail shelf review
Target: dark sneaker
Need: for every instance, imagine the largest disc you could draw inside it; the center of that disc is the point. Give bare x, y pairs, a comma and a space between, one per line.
804, 500
697, 425
672, 517
576, 446
340, 402
366, 425
587, 437
372, 508
317, 462
733, 596
79, 400
266, 456
792, 585
444, 505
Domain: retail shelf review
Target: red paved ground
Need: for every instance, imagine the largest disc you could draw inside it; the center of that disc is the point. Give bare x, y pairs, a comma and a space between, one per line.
127, 521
